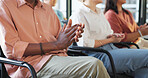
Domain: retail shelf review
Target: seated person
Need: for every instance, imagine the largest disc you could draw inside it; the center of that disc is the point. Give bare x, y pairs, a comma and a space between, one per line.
122, 21
30, 31
58, 13
98, 34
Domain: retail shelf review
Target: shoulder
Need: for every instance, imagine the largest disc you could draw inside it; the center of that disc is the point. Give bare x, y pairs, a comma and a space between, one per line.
128, 11
46, 6
110, 13
8, 2
48, 9
77, 17
79, 13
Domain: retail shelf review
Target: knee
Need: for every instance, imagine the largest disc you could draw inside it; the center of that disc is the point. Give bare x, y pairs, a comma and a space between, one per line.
96, 62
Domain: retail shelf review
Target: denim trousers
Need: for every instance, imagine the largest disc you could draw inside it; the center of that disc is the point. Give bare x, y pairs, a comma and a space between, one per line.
133, 62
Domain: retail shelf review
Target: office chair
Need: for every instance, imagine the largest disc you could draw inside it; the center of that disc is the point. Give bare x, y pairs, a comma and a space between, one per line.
78, 51
4, 60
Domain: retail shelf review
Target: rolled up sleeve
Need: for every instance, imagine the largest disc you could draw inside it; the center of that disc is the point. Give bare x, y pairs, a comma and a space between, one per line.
10, 42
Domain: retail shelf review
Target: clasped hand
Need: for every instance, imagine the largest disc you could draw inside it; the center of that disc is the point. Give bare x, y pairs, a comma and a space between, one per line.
116, 37
144, 29
69, 34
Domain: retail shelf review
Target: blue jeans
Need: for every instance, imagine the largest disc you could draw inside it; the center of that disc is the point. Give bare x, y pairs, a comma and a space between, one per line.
133, 62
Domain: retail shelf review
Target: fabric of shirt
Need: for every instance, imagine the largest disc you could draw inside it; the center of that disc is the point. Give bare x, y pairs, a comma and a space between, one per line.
20, 25
122, 24
96, 25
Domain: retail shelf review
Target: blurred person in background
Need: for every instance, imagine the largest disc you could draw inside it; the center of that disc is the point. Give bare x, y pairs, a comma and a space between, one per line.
98, 34
58, 12
30, 31
122, 21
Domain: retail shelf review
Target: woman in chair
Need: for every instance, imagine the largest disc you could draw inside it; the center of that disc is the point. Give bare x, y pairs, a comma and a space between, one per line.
125, 23
98, 34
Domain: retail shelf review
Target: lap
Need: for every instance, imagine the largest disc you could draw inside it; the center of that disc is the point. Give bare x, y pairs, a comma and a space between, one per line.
65, 67
126, 60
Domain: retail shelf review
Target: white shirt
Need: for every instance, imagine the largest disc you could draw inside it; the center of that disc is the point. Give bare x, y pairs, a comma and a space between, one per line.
96, 25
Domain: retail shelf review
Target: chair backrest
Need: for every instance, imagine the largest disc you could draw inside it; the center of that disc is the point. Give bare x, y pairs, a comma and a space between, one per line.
74, 44
3, 72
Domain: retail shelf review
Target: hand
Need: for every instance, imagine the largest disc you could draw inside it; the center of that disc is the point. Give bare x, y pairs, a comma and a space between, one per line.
69, 34
144, 29
79, 32
143, 26
116, 37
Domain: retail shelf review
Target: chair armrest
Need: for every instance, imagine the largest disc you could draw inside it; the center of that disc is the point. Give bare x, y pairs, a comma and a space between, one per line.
97, 50
131, 43
72, 52
122, 44
19, 63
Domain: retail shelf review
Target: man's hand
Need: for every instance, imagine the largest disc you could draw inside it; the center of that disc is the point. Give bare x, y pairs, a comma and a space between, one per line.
69, 34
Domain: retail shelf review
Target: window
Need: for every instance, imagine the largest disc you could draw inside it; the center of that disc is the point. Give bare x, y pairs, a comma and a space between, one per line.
147, 12
131, 5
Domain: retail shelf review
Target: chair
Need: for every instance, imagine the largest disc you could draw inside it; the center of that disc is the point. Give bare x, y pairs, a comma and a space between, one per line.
77, 51
4, 60
127, 44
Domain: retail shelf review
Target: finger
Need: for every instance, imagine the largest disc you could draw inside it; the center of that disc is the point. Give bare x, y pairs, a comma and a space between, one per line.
83, 26
78, 34
80, 29
71, 29
69, 23
72, 40
64, 27
145, 24
76, 39
72, 36
146, 27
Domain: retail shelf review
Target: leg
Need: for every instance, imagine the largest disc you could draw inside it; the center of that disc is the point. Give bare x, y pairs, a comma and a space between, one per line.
126, 60
73, 67
141, 73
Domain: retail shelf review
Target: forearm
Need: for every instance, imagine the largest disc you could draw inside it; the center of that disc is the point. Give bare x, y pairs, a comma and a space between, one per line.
99, 43
35, 49
132, 36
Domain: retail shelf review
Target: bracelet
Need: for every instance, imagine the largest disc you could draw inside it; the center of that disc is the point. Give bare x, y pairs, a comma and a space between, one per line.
140, 33
42, 51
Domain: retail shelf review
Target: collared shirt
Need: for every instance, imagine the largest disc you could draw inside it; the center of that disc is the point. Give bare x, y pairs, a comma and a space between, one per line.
96, 26
122, 23
20, 25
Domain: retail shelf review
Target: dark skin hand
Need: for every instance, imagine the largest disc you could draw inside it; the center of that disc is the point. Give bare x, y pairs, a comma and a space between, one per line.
67, 36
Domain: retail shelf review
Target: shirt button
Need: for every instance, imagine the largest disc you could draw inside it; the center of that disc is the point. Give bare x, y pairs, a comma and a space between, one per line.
40, 36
